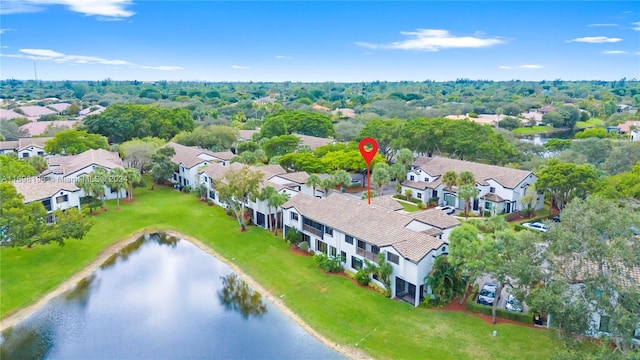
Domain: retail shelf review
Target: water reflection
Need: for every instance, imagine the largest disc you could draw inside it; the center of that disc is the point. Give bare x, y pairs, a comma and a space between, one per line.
156, 299
237, 295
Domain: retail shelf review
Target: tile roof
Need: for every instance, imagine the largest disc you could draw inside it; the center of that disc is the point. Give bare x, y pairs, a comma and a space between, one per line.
372, 223
223, 155
59, 107
386, 202
35, 188
507, 177
35, 111
625, 127
299, 177
436, 218
36, 128
216, 171
493, 197
36, 141
95, 109
421, 185
65, 165
9, 145
190, 156
312, 141
246, 134
9, 114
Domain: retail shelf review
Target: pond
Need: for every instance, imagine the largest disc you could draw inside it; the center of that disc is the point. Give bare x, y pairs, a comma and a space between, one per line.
161, 298
541, 139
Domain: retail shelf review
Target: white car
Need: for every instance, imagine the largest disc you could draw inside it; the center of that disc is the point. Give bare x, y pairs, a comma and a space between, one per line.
512, 304
447, 209
487, 294
536, 226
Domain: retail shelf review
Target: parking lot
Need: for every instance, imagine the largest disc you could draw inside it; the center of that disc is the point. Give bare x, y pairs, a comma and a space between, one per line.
503, 295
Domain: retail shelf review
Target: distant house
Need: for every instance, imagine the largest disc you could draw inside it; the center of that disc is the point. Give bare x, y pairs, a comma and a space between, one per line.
53, 194
500, 189
59, 107
344, 113
312, 142
345, 227
484, 119
34, 112
36, 128
25, 147
626, 109
546, 109
246, 135
189, 159
265, 100
9, 114
70, 168
631, 128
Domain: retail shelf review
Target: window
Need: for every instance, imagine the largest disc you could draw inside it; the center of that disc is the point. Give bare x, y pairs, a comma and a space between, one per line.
348, 239
333, 251
212, 194
40, 153
328, 231
411, 177
356, 263
492, 189
343, 256
321, 246
487, 205
62, 198
25, 155
362, 245
294, 216
419, 195
393, 258
604, 323
434, 193
426, 179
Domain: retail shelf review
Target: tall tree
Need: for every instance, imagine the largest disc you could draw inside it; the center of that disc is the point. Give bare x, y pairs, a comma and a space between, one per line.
327, 184
138, 152
313, 181
564, 181
467, 192
265, 195
11, 168
466, 178
342, 178
467, 253
133, 177
236, 188
380, 176
73, 142
277, 200
449, 179
162, 168
385, 132
445, 280
117, 180
404, 157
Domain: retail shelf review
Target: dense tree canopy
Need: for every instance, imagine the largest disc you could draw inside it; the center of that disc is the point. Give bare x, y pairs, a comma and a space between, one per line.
71, 142
564, 181
120, 123
11, 168
294, 121
213, 137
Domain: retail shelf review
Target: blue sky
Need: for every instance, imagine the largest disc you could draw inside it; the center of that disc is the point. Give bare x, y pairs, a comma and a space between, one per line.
319, 41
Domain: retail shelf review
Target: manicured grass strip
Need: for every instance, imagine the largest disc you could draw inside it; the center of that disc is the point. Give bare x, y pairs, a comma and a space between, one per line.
539, 129
408, 206
333, 305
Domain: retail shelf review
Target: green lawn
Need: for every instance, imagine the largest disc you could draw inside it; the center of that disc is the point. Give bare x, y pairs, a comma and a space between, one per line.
333, 305
593, 122
539, 129
408, 207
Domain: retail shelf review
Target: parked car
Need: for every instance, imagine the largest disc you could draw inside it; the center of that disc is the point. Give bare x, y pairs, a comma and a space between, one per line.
487, 294
557, 218
512, 304
447, 209
536, 226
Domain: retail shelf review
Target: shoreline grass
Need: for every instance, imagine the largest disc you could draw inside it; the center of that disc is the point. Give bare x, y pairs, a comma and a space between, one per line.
332, 305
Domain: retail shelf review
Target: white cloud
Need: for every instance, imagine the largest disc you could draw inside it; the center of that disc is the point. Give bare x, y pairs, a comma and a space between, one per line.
434, 40
51, 55
531, 66
636, 26
240, 67
602, 25
2, 31
104, 8
504, 67
283, 57
614, 52
595, 39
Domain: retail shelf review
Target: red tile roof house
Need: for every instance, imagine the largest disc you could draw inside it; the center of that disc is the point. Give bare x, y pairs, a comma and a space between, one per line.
70, 168
499, 188
631, 128
9, 114
189, 160
53, 194
25, 147
346, 227
34, 112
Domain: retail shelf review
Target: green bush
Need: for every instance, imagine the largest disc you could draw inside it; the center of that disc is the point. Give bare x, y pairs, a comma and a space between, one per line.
362, 277
328, 264
293, 237
350, 274
518, 227
304, 246
433, 201
526, 318
401, 197
415, 201
379, 289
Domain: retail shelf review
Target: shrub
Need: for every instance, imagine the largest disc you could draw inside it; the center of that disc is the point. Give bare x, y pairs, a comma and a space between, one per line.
328, 264
304, 246
350, 274
294, 237
433, 201
209, 202
422, 205
186, 189
379, 289
415, 201
401, 197
362, 277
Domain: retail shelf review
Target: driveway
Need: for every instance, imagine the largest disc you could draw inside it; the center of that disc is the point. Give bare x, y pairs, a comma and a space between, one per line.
503, 295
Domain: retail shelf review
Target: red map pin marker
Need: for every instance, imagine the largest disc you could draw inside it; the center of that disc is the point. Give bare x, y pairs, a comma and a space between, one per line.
368, 157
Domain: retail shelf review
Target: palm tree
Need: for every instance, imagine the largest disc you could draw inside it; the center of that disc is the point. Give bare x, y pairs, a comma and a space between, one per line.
265, 195
326, 184
117, 180
99, 182
86, 185
404, 158
342, 178
449, 179
466, 177
398, 172
314, 181
384, 272
133, 177
467, 192
445, 281
277, 200
380, 176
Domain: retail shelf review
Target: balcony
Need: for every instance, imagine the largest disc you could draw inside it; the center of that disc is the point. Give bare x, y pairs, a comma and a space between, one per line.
367, 254
312, 230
